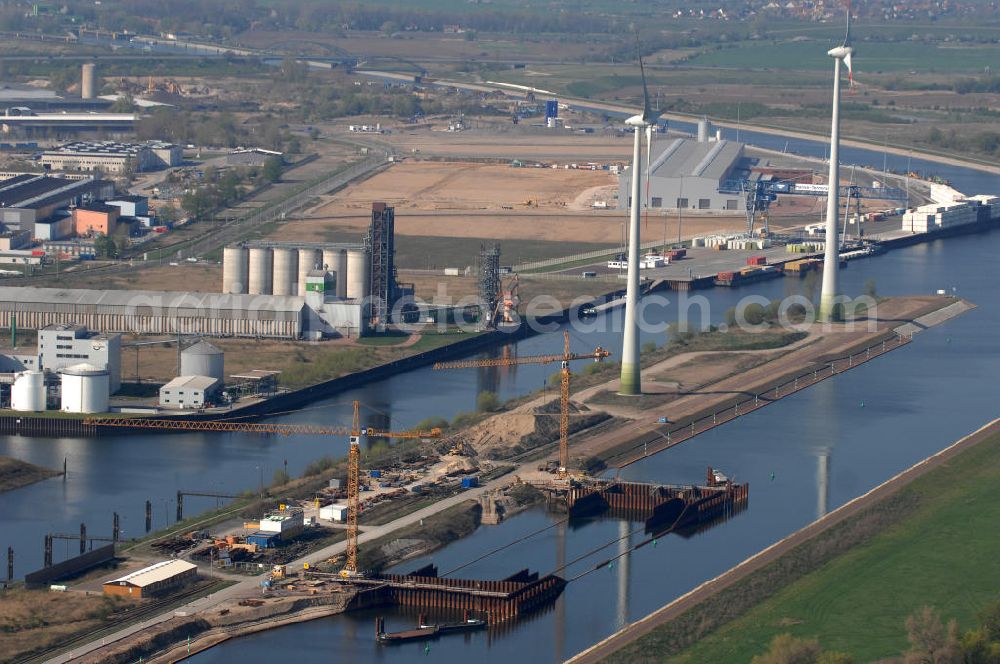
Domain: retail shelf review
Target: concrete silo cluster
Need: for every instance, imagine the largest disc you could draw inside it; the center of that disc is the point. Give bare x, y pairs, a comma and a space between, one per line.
273, 268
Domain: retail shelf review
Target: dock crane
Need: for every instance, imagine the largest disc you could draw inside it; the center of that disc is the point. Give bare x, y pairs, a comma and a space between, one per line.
597, 355
355, 432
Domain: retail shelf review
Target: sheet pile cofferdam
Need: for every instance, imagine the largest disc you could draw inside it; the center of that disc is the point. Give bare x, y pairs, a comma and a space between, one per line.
679, 507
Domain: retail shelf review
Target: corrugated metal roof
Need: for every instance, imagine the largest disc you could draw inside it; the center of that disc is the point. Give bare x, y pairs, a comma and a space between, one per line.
191, 383
155, 573
688, 158
165, 300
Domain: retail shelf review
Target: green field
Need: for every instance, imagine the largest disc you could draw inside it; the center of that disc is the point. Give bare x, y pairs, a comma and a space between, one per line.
871, 57
940, 551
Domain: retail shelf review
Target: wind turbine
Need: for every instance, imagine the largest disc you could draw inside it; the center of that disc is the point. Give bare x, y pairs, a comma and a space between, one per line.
631, 381
831, 258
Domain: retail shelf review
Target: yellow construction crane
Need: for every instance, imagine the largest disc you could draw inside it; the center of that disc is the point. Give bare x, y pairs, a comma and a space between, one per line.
597, 355
353, 456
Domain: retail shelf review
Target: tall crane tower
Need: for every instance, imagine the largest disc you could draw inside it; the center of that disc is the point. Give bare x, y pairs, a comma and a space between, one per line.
353, 457
597, 355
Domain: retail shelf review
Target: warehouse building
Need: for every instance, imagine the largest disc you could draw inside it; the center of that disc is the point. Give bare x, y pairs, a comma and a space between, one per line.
113, 157
27, 199
153, 580
155, 312
186, 392
688, 174
252, 157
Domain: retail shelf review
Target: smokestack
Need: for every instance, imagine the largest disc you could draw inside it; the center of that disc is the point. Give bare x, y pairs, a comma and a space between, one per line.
88, 81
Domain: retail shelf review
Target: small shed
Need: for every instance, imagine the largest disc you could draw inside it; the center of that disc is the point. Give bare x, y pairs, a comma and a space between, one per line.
336, 513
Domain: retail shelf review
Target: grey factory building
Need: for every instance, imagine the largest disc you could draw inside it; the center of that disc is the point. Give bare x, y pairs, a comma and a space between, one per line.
155, 312
26, 199
687, 174
113, 157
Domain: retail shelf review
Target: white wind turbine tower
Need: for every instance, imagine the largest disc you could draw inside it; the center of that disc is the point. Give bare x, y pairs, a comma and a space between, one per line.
631, 381
831, 258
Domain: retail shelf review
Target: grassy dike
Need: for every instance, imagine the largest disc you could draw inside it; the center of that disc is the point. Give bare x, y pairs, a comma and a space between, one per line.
932, 543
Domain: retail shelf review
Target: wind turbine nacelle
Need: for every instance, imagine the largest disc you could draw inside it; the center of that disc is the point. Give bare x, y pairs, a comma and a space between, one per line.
841, 52
636, 121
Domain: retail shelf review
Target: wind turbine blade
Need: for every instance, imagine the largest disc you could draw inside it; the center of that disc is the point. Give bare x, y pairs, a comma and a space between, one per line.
847, 36
647, 111
649, 149
850, 68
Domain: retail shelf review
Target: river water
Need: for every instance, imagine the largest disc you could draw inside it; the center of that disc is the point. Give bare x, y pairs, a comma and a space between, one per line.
861, 428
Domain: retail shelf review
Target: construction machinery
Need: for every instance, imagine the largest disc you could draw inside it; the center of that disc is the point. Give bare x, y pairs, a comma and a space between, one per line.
350, 569
565, 358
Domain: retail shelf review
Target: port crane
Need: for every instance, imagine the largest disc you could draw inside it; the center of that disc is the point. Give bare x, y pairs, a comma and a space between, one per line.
355, 432
760, 193
564, 359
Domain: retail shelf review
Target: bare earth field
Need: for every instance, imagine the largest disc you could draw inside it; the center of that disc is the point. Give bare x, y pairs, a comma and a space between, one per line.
428, 185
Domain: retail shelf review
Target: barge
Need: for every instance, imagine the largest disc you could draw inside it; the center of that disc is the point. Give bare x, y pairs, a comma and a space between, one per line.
425, 631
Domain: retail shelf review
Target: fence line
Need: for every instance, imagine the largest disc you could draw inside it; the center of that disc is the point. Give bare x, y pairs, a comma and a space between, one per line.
657, 441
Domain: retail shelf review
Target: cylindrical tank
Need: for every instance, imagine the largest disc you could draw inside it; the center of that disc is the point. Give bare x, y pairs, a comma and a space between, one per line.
357, 275
259, 276
88, 81
235, 270
704, 127
28, 392
309, 260
335, 260
203, 359
85, 389
286, 264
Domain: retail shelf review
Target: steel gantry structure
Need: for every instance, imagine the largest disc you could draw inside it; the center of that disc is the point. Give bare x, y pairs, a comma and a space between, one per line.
355, 432
565, 358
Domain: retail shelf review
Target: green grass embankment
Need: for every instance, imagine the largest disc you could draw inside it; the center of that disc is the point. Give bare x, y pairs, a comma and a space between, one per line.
932, 543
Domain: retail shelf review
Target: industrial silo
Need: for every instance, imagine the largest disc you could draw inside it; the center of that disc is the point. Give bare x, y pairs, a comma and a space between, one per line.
203, 359
88, 81
28, 392
309, 260
335, 260
357, 275
704, 128
235, 270
259, 277
286, 263
85, 389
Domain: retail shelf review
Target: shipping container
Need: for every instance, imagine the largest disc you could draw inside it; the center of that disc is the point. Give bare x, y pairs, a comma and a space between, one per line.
757, 260
470, 482
375, 473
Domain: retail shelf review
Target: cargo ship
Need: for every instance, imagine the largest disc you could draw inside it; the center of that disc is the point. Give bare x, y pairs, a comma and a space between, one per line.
424, 631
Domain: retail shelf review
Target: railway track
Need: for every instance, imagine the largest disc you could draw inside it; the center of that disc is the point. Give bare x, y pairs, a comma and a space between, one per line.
137, 615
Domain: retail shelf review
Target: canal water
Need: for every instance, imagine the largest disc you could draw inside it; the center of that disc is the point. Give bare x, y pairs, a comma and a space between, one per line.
824, 446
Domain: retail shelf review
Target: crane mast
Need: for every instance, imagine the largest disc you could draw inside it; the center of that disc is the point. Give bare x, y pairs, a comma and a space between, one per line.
564, 359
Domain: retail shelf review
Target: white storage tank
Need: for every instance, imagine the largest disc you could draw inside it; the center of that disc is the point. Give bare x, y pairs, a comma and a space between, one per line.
704, 128
357, 275
335, 260
259, 280
235, 270
28, 392
286, 264
203, 359
309, 260
85, 389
